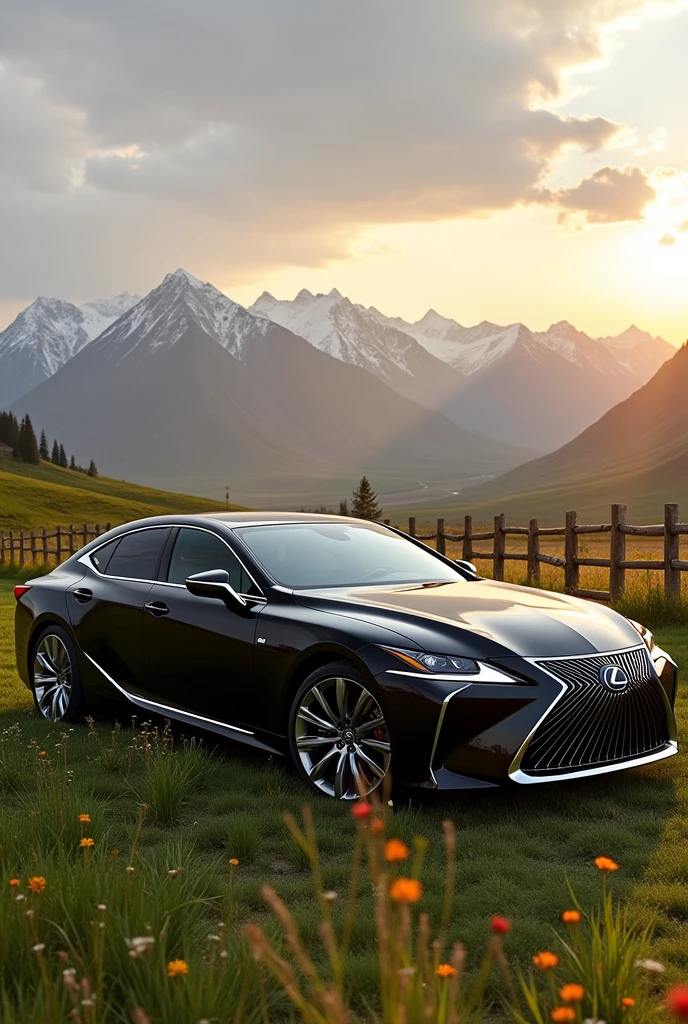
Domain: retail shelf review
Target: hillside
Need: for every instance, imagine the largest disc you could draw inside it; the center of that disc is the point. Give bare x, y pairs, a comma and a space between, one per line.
636, 453
45, 495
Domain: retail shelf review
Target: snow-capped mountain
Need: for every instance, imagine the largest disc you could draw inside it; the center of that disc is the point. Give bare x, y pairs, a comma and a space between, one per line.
639, 352
189, 390
48, 333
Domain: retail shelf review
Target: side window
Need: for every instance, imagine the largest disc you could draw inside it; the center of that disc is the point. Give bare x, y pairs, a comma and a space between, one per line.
136, 555
197, 551
102, 556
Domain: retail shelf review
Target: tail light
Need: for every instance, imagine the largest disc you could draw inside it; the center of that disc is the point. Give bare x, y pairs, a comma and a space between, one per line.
20, 590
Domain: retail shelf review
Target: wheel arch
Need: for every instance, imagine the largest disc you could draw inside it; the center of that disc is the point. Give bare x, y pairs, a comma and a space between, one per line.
317, 657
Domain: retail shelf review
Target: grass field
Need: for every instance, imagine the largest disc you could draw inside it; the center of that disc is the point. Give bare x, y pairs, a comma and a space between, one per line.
46, 495
517, 848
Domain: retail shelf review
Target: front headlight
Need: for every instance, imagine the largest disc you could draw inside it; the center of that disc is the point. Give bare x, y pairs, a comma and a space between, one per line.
436, 663
645, 633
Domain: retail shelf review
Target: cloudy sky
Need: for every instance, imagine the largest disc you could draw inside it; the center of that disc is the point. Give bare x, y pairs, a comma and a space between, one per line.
494, 159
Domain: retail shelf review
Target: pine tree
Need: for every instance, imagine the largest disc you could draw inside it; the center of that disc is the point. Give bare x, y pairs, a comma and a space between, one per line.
92, 471
72, 463
63, 457
43, 450
364, 503
9, 431
28, 446
55, 457
344, 508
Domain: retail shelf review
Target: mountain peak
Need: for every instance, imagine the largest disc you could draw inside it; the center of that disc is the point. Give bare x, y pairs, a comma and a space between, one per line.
184, 276
334, 294
304, 295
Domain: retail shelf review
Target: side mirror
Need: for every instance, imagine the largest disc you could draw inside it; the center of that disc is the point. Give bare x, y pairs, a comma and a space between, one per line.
468, 566
214, 583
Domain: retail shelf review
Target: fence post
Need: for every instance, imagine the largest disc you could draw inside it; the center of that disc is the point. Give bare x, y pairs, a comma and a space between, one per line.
499, 546
617, 553
412, 526
44, 542
441, 544
21, 548
571, 570
2, 548
467, 550
672, 577
533, 552
58, 544
84, 535
32, 535
72, 538
11, 548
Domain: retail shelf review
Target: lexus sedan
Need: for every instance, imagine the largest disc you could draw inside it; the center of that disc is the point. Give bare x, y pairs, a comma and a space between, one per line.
349, 646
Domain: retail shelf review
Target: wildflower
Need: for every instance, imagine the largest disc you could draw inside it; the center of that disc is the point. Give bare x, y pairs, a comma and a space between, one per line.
86, 842
14, 882
115, 853
85, 819
38, 948
606, 864
406, 890
563, 1013
571, 916
377, 827
37, 884
101, 907
572, 993
653, 966
445, 971
129, 868
42, 753
140, 944
546, 961
330, 896
395, 850
677, 1001
627, 1002
173, 872
361, 809
500, 925
175, 968
233, 861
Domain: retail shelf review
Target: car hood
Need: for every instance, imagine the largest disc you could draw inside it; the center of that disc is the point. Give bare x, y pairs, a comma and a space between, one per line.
483, 618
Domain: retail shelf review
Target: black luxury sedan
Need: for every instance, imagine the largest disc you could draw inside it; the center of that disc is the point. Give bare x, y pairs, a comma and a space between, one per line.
350, 646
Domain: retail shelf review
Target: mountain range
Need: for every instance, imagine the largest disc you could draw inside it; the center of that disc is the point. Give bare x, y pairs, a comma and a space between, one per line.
538, 389
189, 390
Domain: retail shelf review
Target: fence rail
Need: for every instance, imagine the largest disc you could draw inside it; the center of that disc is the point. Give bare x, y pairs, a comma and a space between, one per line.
47, 545
672, 565
55, 544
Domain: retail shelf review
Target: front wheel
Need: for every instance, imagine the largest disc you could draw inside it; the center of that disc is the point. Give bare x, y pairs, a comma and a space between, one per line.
338, 734
55, 676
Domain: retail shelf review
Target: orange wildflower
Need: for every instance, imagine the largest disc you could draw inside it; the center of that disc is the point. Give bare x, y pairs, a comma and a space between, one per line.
42, 753
14, 882
445, 971
85, 819
546, 961
395, 850
377, 827
233, 861
37, 884
571, 916
406, 890
563, 1013
627, 1002
572, 993
361, 809
606, 864
87, 842
176, 968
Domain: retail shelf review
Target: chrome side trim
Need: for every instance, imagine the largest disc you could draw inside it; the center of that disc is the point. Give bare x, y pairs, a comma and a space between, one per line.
440, 720
86, 559
153, 705
486, 674
515, 773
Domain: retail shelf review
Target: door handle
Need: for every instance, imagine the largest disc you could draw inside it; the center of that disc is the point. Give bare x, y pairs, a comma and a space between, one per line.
157, 608
83, 595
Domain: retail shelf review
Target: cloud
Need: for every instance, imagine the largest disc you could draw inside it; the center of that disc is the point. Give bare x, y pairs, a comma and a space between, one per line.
667, 240
683, 226
608, 195
267, 133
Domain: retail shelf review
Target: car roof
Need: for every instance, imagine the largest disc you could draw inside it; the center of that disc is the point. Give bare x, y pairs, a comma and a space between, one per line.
262, 518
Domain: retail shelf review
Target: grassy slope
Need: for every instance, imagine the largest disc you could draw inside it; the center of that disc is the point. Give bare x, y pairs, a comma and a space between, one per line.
45, 495
516, 847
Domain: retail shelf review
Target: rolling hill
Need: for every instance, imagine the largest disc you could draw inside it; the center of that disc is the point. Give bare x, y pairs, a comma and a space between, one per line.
45, 495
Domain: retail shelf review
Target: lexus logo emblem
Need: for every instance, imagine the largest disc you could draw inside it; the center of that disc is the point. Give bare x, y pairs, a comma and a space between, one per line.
614, 678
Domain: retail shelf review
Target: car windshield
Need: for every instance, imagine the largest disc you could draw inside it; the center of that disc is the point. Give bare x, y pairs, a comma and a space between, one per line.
302, 555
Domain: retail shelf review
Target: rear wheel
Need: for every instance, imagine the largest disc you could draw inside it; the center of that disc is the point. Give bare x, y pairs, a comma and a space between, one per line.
338, 734
55, 676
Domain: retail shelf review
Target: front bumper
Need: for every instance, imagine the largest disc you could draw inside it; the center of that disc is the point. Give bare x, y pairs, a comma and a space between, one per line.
454, 733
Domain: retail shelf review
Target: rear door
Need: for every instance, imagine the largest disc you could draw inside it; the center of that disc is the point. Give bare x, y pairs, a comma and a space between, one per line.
106, 606
199, 651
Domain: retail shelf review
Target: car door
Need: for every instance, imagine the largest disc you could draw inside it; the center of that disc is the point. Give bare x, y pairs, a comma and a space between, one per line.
199, 650
106, 606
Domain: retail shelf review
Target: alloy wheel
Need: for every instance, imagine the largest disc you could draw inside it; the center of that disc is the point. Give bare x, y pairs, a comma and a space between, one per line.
341, 738
52, 677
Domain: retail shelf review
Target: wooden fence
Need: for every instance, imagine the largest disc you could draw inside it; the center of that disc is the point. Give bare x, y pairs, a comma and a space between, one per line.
34, 547
48, 545
670, 530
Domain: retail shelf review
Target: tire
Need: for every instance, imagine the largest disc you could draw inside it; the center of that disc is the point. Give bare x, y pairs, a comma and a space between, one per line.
338, 736
55, 679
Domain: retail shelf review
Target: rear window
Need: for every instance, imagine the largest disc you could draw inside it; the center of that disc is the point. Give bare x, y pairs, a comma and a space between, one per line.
102, 556
136, 555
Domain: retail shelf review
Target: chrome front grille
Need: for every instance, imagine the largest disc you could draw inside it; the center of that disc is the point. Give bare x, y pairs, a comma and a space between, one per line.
590, 726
